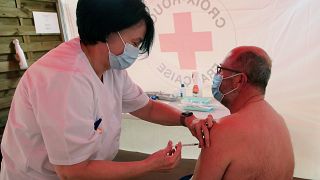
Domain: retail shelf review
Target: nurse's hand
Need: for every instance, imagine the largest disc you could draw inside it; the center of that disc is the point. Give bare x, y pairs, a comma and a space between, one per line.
200, 128
165, 159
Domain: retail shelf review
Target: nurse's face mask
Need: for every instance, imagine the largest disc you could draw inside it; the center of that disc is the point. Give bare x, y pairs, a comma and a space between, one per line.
217, 80
124, 60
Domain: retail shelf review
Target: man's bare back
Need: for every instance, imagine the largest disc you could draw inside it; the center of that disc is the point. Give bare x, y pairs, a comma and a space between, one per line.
253, 143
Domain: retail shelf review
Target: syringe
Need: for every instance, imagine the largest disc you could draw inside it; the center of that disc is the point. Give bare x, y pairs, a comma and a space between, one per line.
191, 144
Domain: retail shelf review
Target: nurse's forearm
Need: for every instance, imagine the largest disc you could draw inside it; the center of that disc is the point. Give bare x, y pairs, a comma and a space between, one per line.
98, 169
164, 114
159, 113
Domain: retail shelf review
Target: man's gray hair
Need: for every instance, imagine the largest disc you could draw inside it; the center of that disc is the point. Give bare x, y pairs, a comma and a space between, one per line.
256, 64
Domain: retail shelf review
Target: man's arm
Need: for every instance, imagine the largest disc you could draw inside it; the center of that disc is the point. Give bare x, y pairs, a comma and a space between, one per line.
213, 162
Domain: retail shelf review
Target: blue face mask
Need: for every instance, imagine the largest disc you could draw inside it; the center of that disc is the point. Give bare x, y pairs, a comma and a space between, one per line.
124, 60
216, 83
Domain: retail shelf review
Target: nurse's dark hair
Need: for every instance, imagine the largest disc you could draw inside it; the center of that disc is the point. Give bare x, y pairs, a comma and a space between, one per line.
255, 63
96, 19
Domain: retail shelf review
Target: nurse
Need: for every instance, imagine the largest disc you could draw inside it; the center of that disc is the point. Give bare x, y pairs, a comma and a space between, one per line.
65, 117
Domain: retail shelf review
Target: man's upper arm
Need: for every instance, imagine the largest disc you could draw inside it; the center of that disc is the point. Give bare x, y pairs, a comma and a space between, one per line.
214, 161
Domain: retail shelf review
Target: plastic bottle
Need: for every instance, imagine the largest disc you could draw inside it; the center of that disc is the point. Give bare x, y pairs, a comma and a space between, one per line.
195, 90
20, 55
182, 90
197, 85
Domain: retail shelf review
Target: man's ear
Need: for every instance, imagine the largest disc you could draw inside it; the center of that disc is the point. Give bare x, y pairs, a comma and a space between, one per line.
240, 80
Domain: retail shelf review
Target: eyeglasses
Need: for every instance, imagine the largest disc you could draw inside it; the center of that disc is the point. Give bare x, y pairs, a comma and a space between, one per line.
220, 68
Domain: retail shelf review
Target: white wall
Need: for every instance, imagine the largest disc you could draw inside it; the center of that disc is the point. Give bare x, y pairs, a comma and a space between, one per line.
287, 29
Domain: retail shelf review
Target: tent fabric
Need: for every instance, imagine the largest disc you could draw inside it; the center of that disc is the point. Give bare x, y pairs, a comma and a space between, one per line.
287, 29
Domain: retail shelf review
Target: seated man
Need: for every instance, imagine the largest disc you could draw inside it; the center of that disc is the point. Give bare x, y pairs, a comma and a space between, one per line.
253, 142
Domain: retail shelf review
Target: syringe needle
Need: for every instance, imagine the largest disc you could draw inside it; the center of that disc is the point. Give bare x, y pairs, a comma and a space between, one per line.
191, 144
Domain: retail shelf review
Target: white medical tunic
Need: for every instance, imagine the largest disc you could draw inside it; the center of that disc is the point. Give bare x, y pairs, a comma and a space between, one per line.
52, 115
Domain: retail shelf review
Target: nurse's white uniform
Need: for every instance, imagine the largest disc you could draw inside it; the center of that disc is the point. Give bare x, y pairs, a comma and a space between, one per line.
52, 115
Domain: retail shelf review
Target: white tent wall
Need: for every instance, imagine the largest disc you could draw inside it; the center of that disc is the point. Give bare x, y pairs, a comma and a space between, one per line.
287, 29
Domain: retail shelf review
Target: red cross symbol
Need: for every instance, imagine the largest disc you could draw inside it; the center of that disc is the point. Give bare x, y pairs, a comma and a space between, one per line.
185, 42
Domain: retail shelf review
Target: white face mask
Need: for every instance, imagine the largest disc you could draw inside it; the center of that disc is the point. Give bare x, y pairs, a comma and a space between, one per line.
126, 59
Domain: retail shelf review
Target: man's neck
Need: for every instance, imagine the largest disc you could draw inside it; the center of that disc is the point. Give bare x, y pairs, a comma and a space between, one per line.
246, 98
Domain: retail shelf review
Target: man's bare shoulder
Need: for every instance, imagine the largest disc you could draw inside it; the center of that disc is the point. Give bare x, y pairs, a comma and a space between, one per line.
231, 136
228, 125
227, 133
219, 155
